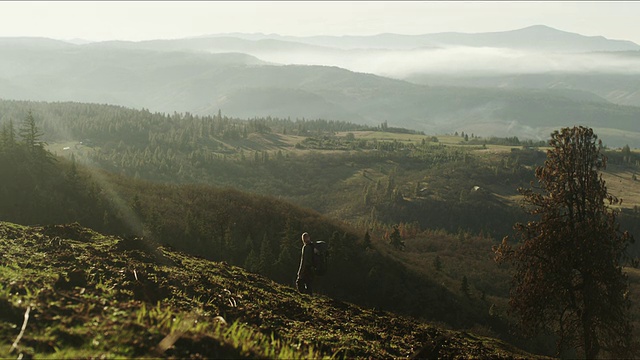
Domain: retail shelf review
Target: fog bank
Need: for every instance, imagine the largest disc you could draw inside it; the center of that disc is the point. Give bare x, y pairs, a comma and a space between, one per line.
459, 61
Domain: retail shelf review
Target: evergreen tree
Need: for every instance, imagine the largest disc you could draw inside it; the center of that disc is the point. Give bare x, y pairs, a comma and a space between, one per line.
30, 134
395, 239
72, 175
366, 243
266, 256
335, 245
8, 140
437, 263
568, 271
626, 154
464, 287
367, 196
231, 246
252, 262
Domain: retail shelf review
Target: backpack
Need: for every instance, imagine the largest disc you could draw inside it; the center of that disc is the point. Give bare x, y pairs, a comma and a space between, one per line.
320, 249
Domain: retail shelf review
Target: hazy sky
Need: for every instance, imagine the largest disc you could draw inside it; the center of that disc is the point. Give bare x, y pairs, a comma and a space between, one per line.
143, 20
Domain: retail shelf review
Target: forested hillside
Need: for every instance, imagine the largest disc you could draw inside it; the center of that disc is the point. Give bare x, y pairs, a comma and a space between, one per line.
303, 161
396, 176
257, 232
616, 88
410, 218
317, 164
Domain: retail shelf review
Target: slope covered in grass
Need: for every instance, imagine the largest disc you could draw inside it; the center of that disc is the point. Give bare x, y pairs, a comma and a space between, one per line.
69, 292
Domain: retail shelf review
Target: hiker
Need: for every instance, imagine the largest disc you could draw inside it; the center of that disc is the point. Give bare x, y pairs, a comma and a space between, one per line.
306, 272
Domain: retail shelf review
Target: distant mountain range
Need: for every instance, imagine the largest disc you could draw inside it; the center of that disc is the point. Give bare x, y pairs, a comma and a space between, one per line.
538, 37
248, 75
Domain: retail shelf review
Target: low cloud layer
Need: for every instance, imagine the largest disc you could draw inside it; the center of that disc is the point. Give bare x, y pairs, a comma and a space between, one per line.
459, 61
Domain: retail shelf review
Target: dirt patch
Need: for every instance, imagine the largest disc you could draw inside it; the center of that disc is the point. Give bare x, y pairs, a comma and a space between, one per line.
69, 231
203, 347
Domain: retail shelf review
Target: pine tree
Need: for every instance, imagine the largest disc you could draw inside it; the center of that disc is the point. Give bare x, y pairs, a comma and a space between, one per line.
395, 239
366, 242
8, 139
464, 287
252, 262
437, 263
626, 154
30, 134
568, 271
266, 257
335, 245
72, 175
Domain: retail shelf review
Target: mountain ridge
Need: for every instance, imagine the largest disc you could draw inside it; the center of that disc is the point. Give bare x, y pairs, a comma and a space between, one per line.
170, 76
396, 41
245, 86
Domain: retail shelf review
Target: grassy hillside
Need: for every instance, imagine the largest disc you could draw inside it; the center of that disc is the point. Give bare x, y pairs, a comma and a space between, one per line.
259, 233
69, 292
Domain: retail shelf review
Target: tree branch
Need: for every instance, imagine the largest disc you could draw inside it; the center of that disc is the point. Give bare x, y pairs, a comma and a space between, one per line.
24, 326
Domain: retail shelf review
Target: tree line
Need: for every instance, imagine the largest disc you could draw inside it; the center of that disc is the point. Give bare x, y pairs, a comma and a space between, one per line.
257, 232
389, 181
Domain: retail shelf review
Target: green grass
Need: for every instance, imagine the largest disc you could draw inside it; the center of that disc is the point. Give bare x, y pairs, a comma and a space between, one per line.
98, 296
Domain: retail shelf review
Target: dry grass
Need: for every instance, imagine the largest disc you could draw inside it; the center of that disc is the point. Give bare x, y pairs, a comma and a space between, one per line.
620, 183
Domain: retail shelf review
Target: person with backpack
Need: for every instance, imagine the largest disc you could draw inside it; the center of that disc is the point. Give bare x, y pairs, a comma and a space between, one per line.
304, 282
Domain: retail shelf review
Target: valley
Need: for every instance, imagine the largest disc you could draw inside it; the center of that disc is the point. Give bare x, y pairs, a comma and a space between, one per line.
249, 187
153, 193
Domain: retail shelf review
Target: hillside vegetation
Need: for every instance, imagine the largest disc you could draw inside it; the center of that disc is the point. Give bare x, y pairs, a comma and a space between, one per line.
363, 174
259, 233
70, 292
410, 218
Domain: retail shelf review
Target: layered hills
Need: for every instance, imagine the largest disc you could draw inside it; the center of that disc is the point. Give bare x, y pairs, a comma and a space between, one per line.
437, 83
444, 201
173, 230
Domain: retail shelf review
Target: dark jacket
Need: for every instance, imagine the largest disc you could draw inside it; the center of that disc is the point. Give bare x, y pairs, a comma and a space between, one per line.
306, 262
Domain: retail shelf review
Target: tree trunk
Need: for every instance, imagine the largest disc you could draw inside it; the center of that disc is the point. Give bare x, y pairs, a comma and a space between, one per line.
591, 345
